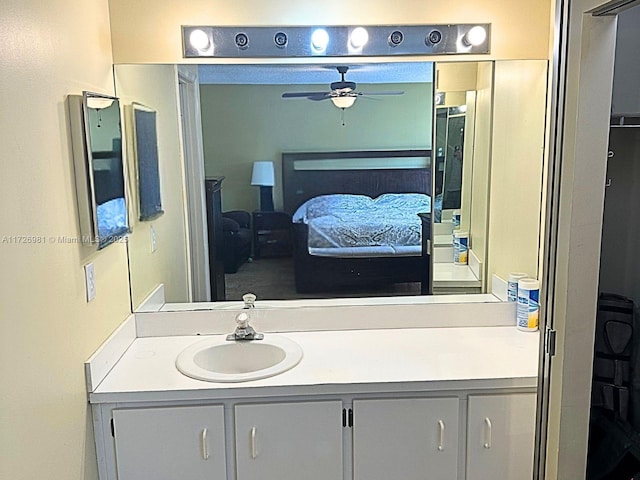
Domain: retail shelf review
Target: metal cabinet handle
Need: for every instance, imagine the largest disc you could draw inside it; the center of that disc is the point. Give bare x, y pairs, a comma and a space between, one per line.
205, 449
441, 429
487, 433
254, 452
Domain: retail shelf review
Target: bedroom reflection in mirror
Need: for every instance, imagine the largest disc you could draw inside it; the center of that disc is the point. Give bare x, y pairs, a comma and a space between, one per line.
383, 153
244, 118
356, 222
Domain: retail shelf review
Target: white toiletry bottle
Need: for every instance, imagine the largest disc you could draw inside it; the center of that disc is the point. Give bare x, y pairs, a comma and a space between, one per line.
460, 247
528, 308
512, 285
455, 219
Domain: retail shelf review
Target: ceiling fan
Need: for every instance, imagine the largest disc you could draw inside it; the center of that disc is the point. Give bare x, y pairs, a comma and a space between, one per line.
343, 94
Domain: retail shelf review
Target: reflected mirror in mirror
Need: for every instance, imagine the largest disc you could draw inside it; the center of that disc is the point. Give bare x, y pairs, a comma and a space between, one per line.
146, 159
449, 134
244, 120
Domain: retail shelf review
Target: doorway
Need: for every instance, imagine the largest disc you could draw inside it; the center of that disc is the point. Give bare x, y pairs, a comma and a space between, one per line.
614, 437
579, 126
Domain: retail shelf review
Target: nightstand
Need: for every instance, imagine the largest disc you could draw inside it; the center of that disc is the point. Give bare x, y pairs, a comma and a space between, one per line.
271, 234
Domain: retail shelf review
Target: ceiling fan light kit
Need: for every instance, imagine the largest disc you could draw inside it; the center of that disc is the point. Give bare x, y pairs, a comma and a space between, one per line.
343, 94
343, 102
335, 41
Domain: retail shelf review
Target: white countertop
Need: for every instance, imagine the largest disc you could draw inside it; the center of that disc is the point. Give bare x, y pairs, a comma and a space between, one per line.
446, 274
340, 362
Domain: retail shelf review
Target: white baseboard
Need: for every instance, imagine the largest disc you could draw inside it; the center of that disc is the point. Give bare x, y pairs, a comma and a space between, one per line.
499, 287
476, 265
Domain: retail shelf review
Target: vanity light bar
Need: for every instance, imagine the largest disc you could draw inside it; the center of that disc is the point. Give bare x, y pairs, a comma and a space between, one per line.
336, 41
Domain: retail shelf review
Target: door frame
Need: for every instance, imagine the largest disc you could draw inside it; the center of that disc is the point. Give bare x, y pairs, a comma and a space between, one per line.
582, 83
195, 211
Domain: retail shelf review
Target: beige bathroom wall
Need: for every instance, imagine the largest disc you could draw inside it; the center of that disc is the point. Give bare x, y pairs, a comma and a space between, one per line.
49, 50
516, 167
481, 161
467, 165
156, 87
148, 31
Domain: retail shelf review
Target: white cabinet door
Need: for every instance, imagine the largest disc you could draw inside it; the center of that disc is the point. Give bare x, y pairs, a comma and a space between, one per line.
170, 443
408, 439
289, 441
500, 436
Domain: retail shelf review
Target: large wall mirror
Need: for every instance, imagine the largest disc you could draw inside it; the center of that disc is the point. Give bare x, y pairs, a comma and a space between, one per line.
456, 112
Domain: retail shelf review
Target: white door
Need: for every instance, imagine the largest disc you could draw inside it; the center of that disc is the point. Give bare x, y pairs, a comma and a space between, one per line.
408, 439
170, 443
500, 436
289, 441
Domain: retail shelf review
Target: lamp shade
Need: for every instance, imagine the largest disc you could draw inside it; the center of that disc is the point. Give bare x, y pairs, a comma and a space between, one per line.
345, 101
263, 174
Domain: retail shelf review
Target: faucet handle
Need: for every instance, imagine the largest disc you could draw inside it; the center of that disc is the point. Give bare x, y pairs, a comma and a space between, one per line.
242, 319
249, 300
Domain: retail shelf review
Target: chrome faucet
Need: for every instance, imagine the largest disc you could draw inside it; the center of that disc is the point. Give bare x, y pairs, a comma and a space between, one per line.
249, 300
244, 331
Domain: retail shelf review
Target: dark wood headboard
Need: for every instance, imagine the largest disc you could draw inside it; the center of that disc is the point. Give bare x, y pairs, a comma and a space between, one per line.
300, 183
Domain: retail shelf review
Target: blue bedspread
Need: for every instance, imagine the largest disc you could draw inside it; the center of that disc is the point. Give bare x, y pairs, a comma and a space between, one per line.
112, 219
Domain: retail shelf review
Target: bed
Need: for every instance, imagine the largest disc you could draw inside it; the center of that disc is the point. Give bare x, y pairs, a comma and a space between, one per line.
355, 218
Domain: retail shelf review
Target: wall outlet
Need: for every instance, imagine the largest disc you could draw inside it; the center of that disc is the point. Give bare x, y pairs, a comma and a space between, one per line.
90, 280
154, 240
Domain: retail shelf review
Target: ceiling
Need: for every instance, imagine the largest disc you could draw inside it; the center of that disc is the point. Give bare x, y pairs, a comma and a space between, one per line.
290, 74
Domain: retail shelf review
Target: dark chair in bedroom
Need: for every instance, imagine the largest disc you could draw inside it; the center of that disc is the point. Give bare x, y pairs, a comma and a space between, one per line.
236, 230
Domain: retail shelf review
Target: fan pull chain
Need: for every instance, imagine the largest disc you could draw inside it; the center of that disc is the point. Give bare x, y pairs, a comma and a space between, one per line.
342, 116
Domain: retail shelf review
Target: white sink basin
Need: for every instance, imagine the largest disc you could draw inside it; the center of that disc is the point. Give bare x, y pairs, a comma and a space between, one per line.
219, 360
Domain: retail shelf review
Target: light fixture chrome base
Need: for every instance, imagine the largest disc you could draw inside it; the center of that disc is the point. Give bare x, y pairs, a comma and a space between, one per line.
335, 41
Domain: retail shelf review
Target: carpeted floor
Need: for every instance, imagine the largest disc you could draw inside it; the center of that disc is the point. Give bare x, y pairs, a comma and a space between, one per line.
272, 279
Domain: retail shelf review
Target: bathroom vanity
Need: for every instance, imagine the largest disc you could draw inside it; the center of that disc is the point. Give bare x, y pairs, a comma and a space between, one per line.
411, 403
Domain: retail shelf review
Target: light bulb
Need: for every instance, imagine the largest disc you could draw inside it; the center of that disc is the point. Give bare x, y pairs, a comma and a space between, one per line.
476, 36
319, 40
359, 37
199, 39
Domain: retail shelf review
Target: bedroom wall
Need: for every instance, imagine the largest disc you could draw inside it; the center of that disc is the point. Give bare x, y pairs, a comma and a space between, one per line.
47, 51
156, 86
237, 131
148, 31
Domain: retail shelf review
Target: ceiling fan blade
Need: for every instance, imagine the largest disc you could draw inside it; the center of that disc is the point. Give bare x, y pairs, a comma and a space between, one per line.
305, 95
390, 92
320, 96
